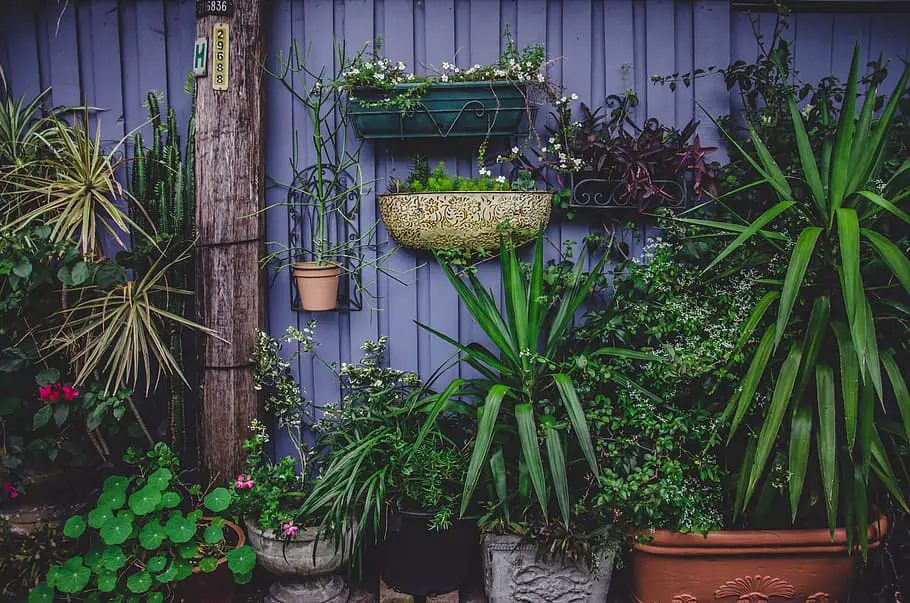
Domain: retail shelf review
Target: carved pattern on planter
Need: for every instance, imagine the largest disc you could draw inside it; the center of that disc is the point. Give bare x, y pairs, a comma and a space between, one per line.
538, 583
684, 599
819, 597
755, 589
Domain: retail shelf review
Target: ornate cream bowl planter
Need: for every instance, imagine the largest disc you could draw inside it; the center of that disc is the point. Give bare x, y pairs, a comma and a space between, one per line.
303, 564
463, 220
512, 573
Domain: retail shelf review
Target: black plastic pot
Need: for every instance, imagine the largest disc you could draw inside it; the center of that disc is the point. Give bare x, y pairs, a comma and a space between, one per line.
420, 561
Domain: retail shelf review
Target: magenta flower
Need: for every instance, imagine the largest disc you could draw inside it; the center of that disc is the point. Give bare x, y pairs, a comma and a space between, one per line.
289, 528
10, 490
243, 481
70, 392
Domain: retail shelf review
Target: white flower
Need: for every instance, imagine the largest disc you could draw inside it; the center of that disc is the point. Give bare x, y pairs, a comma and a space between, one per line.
484, 171
574, 96
552, 140
401, 66
515, 150
501, 179
500, 159
541, 77
379, 76
444, 78
557, 146
476, 66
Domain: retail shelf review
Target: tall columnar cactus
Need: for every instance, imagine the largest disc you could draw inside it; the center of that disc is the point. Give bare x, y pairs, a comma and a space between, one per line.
163, 185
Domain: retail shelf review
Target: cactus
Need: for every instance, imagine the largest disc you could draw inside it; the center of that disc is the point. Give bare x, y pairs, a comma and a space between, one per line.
162, 182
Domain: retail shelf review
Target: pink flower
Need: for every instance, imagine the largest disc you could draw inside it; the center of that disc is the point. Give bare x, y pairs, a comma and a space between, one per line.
289, 528
70, 392
243, 481
10, 490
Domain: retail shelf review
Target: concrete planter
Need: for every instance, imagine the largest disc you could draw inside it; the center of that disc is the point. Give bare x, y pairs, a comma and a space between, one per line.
463, 219
304, 566
513, 574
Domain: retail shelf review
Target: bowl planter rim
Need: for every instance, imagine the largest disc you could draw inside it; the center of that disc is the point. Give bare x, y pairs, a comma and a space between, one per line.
757, 542
241, 540
490, 192
467, 84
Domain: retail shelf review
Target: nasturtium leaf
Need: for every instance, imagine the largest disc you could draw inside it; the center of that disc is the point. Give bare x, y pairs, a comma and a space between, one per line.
116, 482
72, 576
74, 527
144, 500
93, 556
156, 563
113, 558
152, 535
169, 500
154, 598
243, 578
217, 500
160, 478
188, 550
208, 564
79, 273
179, 528
99, 516
42, 593
218, 522
241, 560
213, 534
117, 529
107, 580
139, 583
112, 498
182, 569
194, 516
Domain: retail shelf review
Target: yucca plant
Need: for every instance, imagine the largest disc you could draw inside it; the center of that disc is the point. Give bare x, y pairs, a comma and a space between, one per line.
841, 310
527, 395
24, 128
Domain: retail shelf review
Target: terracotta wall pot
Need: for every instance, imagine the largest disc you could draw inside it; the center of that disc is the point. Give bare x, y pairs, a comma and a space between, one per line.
751, 566
317, 285
463, 220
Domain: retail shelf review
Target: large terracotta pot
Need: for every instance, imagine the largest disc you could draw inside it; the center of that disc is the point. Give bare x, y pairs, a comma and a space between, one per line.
750, 566
464, 219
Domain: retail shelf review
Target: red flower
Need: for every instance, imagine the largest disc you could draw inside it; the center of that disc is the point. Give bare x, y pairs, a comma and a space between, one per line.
70, 392
10, 490
52, 392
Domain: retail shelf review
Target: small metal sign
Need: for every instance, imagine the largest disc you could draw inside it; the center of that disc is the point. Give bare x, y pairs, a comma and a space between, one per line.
221, 50
221, 8
200, 57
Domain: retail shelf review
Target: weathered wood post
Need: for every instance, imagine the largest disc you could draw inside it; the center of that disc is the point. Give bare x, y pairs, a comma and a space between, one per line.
230, 185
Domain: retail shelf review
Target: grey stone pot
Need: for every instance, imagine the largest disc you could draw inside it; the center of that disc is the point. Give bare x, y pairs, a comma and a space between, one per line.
304, 566
512, 574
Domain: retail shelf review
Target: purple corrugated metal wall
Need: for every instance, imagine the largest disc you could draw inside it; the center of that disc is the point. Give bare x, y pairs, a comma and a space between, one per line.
112, 52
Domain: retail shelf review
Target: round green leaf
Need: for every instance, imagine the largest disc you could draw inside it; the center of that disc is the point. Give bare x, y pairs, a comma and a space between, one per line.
79, 273
74, 527
144, 501
194, 516
139, 583
93, 557
179, 528
243, 578
107, 580
72, 576
169, 500
113, 558
152, 535
116, 530
213, 534
208, 564
160, 478
182, 569
42, 593
116, 482
241, 560
156, 563
112, 498
154, 598
217, 500
99, 516
188, 550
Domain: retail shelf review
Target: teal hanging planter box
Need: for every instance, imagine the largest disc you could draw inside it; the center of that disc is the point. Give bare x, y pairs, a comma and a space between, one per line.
444, 110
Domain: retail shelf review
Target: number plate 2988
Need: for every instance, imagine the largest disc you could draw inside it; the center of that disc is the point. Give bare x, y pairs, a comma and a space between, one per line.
222, 8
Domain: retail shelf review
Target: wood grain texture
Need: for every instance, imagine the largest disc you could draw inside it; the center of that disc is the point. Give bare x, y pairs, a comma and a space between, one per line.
229, 196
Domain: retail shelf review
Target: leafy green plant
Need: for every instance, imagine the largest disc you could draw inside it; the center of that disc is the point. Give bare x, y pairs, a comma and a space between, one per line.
523, 377
423, 180
146, 533
840, 316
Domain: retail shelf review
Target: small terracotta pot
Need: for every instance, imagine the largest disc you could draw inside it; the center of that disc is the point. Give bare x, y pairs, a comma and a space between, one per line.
317, 285
754, 566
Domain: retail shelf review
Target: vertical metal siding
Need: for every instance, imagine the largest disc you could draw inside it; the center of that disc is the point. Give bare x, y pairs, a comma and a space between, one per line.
110, 53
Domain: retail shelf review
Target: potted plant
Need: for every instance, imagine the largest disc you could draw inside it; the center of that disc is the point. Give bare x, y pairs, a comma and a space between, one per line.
529, 417
387, 102
150, 533
436, 211
613, 163
401, 482
826, 366
268, 493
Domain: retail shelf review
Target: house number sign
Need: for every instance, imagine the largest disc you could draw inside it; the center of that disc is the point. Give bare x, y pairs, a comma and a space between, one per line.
221, 8
221, 51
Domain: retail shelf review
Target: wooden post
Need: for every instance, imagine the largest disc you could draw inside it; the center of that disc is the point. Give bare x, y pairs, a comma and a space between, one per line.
230, 186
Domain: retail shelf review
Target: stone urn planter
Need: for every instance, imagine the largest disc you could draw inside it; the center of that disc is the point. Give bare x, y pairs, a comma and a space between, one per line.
756, 566
304, 567
444, 110
463, 220
512, 573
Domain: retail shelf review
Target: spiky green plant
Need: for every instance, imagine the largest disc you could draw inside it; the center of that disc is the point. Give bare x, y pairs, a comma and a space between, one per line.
163, 184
